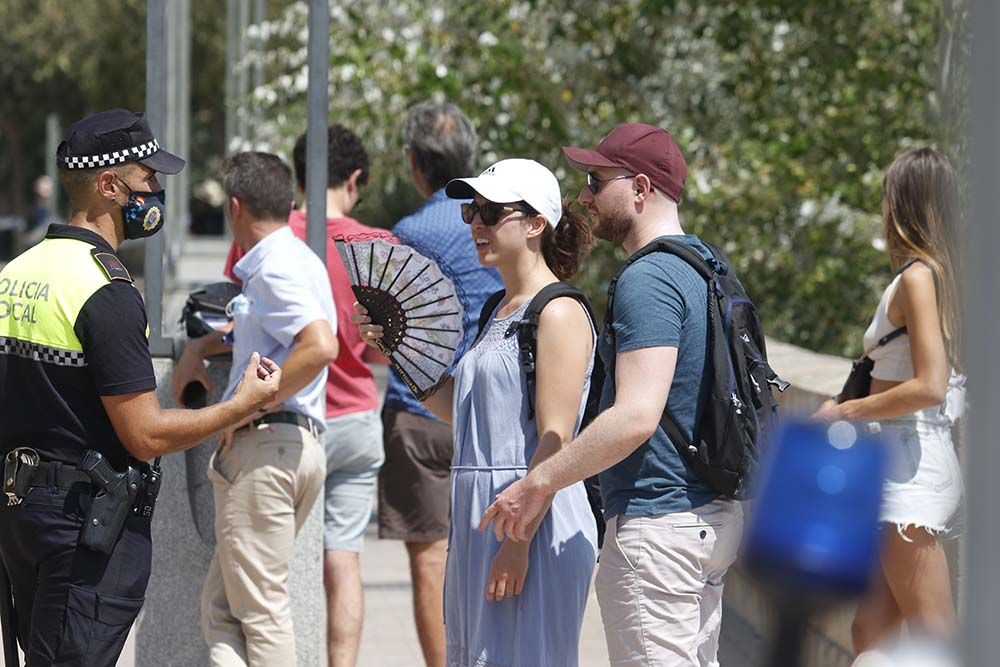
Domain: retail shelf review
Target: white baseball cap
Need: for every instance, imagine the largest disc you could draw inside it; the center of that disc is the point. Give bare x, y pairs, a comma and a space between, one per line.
513, 180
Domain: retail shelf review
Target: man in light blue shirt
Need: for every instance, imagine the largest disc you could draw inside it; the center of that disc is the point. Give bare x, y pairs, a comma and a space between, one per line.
415, 480
268, 470
275, 306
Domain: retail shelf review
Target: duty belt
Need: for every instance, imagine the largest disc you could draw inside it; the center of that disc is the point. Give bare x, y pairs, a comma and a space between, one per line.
53, 474
113, 494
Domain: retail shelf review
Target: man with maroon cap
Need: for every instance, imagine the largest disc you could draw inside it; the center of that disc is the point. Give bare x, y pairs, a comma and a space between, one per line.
670, 537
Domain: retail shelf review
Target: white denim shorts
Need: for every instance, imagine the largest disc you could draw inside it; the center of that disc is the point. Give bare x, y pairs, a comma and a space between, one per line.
923, 485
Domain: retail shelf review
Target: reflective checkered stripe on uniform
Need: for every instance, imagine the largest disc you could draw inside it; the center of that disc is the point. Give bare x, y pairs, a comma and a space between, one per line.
115, 157
43, 353
42, 292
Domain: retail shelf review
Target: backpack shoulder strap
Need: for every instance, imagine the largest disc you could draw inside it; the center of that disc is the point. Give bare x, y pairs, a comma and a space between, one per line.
704, 268
554, 291
489, 306
527, 329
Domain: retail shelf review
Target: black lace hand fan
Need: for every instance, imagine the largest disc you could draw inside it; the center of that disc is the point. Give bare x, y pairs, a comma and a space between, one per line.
416, 305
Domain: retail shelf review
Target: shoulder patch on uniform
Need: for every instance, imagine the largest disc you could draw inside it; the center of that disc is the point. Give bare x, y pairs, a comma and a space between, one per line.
112, 266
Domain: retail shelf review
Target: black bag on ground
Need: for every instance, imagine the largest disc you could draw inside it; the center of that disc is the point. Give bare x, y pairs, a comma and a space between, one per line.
739, 411
526, 330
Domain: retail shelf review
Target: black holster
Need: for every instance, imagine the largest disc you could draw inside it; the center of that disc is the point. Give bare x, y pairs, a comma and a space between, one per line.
114, 497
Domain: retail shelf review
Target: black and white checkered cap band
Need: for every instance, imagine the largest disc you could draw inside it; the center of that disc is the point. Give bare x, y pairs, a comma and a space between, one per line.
115, 157
43, 353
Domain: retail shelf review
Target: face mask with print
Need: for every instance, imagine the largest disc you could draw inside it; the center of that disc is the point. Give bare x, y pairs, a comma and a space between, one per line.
142, 213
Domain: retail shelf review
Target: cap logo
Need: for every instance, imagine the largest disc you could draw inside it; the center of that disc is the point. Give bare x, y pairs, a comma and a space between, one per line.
116, 157
152, 218
490, 171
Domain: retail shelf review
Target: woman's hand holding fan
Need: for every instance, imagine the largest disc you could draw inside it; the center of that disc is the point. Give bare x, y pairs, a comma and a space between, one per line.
415, 314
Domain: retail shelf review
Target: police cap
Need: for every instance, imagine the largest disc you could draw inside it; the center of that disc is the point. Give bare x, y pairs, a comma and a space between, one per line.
114, 137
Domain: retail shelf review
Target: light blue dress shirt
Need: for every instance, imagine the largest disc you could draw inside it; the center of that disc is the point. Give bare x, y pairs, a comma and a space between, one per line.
285, 289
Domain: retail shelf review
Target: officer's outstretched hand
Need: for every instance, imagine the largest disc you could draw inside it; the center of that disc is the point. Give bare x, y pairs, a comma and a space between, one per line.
260, 382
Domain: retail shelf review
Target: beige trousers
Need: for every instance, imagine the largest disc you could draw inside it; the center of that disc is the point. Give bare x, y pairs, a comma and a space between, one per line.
265, 484
659, 585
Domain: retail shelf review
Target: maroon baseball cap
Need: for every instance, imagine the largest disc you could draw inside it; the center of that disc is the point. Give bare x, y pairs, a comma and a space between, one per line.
641, 149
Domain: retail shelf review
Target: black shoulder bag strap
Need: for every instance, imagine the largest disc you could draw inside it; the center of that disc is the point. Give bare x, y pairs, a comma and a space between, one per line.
896, 333
527, 330
888, 338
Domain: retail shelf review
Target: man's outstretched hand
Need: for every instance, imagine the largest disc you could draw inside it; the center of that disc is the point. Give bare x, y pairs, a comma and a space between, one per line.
514, 510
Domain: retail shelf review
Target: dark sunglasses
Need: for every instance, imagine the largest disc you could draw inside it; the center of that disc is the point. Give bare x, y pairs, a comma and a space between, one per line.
595, 184
490, 212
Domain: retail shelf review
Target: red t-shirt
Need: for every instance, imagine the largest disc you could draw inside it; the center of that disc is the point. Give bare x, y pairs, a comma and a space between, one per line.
350, 387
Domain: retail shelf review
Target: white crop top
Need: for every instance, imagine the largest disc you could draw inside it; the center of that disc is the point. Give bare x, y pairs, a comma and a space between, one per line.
892, 360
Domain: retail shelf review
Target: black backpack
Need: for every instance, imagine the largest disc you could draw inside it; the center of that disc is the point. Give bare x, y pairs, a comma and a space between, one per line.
526, 330
738, 412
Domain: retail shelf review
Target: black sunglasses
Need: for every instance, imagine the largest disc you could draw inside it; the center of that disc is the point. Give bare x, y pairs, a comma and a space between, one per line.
490, 212
595, 184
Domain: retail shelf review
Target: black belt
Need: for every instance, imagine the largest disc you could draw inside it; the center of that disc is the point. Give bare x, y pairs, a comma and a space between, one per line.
67, 478
284, 417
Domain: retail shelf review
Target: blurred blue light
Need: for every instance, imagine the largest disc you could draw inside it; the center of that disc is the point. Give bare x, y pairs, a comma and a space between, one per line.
814, 525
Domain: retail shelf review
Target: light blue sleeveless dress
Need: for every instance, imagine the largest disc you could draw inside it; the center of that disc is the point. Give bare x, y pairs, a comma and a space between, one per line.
494, 442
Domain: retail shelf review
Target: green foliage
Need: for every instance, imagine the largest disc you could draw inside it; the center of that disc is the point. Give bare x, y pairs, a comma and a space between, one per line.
51, 59
76, 58
787, 111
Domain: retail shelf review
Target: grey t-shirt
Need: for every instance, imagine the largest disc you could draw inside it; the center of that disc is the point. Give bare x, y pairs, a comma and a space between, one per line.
660, 301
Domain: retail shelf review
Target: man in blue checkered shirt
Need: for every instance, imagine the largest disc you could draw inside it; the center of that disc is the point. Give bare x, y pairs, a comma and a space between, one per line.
414, 484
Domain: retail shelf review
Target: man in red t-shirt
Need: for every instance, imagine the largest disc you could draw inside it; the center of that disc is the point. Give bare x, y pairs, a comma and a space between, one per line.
353, 436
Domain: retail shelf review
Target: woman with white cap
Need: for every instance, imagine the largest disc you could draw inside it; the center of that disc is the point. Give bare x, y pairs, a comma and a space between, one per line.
515, 604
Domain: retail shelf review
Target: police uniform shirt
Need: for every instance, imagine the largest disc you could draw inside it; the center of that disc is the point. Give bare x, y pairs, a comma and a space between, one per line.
72, 329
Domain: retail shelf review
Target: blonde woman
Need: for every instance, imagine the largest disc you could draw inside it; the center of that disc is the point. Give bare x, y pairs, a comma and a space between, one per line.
909, 400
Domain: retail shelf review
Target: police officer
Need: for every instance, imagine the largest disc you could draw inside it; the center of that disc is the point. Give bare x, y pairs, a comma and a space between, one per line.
79, 416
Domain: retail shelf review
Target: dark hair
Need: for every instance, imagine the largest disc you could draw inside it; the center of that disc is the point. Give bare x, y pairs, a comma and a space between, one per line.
565, 246
261, 181
344, 154
442, 141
